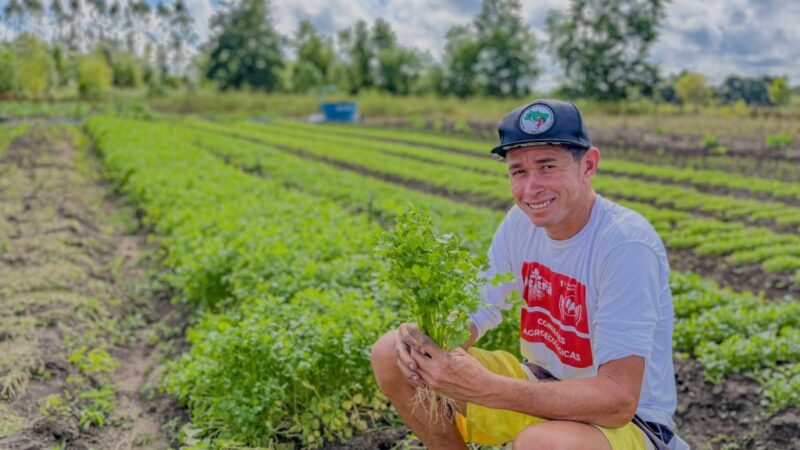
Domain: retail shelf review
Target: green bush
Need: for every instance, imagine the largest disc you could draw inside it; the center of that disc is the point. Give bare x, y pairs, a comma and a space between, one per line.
35, 68
779, 141
94, 76
274, 368
127, 70
711, 144
9, 84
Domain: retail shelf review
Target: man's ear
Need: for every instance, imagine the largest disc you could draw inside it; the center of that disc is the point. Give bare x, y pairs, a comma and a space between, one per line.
590, 161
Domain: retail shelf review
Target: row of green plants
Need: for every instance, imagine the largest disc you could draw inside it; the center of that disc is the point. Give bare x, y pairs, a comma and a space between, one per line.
676, 227
620, 185
72, 111
287, 304
731, 332
699, 178
709, 317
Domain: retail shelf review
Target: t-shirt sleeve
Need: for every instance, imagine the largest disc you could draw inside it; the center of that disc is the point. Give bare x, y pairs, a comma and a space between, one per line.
489, 316
626, 317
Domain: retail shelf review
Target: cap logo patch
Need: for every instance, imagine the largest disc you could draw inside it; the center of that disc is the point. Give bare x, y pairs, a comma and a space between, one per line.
536, 119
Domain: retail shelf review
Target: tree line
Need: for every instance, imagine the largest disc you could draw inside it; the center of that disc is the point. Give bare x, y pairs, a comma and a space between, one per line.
602, 46
89, 46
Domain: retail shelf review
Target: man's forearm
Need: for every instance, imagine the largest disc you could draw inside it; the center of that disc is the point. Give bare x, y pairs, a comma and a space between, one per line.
597, 400
591, 400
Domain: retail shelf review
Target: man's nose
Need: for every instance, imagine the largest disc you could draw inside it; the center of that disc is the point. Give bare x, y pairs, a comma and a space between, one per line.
533, 183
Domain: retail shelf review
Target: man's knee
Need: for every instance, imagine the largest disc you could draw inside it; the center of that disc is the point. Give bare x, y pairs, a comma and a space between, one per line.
384, 357
560, 435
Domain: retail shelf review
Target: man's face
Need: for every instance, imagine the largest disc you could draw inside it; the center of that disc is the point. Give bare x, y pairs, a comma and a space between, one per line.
552, 188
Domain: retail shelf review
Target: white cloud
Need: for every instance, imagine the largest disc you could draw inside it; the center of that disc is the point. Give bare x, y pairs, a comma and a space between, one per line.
732, 37
328, 16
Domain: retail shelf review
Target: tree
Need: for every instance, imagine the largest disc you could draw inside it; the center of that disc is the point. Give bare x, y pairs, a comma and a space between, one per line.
395, 68
383, 37
315, 58
461, 62
750, 90
246, 49
126, 69
358, 55
94, 76
34, 66
778, 91
9, 83
494, 55
691, 88
507, 57
399, 68
603, 45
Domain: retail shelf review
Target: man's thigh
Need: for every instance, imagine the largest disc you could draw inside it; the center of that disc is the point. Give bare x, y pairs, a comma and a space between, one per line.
561, 435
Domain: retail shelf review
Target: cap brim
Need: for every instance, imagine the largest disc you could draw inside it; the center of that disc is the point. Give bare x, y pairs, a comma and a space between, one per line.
502, 149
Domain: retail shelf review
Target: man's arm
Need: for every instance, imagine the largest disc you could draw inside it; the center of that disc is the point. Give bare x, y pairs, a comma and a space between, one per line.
608, 399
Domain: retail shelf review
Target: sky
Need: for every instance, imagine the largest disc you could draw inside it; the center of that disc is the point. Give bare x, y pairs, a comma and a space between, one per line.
713, 37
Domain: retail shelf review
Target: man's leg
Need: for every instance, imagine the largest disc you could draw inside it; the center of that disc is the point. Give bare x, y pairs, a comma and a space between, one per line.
394, 384
561, 435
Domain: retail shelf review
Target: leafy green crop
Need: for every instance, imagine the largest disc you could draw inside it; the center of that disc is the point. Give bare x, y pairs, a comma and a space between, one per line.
438, 279
287, 304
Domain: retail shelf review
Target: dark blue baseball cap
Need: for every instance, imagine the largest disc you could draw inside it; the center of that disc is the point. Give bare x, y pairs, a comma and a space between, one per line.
544, 121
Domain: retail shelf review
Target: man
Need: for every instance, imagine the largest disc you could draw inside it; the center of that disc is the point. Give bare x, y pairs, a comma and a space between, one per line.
596, 327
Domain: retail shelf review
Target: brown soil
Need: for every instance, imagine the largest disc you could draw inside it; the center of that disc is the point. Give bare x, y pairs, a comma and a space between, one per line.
729, 415
386, 438
750, 155
67, 269
741, 277
686, 144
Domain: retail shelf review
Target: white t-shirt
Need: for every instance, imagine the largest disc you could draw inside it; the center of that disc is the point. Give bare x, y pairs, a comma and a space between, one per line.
598, 296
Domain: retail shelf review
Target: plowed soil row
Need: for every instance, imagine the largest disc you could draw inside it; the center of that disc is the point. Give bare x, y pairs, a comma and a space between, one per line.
642, 140
77, 310
708, 416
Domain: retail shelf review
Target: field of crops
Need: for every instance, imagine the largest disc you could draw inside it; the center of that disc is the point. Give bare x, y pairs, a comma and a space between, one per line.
266, 231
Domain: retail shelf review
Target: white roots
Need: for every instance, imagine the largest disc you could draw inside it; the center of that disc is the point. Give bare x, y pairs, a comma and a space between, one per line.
436, 406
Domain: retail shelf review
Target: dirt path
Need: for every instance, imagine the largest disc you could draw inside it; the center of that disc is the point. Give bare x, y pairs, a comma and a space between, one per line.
78, 311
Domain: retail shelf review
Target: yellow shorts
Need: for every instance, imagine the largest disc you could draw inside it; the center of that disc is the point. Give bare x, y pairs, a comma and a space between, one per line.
489, 426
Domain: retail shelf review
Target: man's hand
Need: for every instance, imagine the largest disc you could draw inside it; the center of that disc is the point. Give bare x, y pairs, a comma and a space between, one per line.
454, 374
408, 333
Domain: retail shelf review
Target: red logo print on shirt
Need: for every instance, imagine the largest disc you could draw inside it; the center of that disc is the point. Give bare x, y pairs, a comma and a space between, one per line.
556, 314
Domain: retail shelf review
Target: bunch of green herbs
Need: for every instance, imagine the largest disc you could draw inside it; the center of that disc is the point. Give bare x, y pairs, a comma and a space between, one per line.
438, 278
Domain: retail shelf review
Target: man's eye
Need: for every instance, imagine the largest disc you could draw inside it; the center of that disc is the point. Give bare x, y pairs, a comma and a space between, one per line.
517, 172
